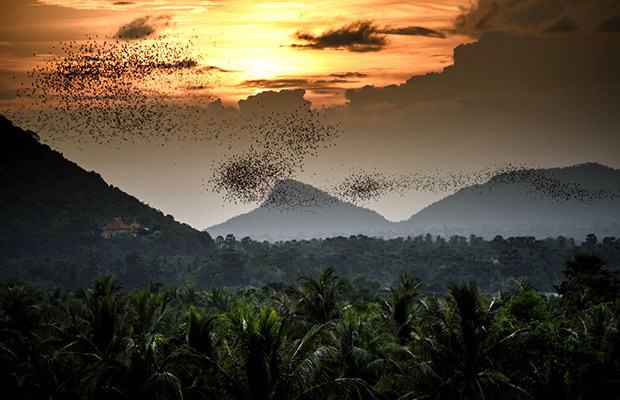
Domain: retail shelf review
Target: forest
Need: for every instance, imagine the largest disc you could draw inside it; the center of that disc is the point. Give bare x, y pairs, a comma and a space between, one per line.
370, 263
319, 337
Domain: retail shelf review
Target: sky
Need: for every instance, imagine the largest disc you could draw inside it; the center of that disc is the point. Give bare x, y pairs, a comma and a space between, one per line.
389, 90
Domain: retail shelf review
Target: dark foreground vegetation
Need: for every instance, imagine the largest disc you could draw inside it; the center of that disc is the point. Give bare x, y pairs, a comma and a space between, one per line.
319, 338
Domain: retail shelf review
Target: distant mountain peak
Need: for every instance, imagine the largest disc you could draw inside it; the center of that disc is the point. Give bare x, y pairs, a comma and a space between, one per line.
537, 201
588, 182
289, 194
296, 210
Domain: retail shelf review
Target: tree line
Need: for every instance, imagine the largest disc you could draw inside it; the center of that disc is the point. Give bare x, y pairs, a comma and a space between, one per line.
370, 263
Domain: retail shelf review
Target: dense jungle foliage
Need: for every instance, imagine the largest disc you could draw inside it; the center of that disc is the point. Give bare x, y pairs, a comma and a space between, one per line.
370, 263
321, 337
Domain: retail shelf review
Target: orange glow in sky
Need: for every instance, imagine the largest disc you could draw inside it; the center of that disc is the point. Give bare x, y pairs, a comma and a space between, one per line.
249, 43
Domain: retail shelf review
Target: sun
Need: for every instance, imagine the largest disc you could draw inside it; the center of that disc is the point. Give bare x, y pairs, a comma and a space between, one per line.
277, 62
264, 64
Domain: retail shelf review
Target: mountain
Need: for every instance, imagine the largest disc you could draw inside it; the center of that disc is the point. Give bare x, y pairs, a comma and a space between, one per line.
571, 201
51, 207
295, 210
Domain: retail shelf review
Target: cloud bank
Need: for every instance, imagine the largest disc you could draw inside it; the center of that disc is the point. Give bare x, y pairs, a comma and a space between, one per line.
547, 99
539, 16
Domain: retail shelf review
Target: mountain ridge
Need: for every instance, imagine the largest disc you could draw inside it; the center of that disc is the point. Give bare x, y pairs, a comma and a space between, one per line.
579, 194
563, 201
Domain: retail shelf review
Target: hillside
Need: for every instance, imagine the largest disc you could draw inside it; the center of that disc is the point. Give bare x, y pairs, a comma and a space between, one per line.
295, 210
50, 206
570, 201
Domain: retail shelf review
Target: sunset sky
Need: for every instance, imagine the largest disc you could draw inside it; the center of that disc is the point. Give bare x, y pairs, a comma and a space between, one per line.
414, 86
255, 44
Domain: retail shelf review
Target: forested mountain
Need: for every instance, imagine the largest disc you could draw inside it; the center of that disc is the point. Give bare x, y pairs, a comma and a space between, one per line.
51, 209
295, 210
571, 201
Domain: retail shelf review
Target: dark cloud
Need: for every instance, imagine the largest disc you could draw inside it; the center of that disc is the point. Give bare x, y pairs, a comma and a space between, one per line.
275, 83
316, 86
142, 27
502, 15
563, 25
359, 36
348, 75
610, 25
413, 31
537, 16
123, 3
325, 84
505, 64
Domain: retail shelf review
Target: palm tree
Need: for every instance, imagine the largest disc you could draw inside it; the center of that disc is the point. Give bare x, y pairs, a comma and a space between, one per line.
360, 341
265, 365
455, 356
102, 311
120, 342
319, 301
199, 362
588, 282
94, 332
143, 371
219, 300
462, 357
149, 312
22, 366
256, 345
199, 332
599, 326
401, 306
